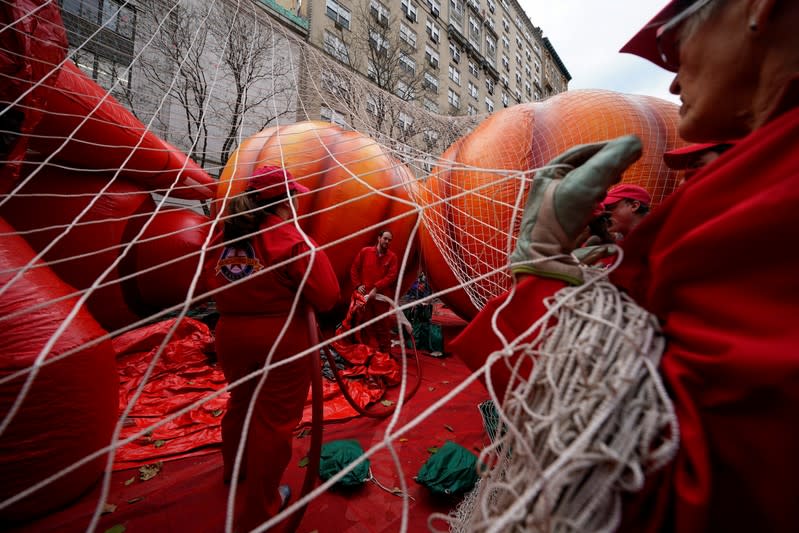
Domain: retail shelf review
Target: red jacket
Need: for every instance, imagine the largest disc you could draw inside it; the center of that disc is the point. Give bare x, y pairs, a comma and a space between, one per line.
270, 293
718, 265
373, 270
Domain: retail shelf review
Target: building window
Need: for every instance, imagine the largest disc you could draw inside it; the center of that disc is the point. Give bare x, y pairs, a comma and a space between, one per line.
505, 62
489, 85
430, 82
435, 7
519, 42
505, 24
405, 121
454, 75
474, 31
491, 47
378, 41
331, 115
453, 99
408, 64
404, 91
407, 35
504, 79
456, 12
431, 56
409, 10
430, 136
433, 31
338, 13
489, 104
518, 77
473, 90
334, 84
505, 99
473, 69
471, 110
379, 12
505, 42
527, 88
454, 52
336, 47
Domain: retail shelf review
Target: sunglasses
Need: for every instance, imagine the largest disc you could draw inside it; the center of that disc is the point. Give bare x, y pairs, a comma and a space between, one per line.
667, 35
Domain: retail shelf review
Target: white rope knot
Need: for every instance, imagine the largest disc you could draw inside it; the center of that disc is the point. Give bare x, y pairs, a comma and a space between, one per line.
588, 422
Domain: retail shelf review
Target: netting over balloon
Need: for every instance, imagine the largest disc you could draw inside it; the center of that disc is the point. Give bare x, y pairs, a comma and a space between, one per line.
120, 156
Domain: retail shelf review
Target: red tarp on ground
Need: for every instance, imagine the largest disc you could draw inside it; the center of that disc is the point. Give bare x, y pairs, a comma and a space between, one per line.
188, 494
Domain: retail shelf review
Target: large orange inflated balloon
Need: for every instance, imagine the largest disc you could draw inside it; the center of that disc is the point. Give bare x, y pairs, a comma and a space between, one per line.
355, 184
469, 197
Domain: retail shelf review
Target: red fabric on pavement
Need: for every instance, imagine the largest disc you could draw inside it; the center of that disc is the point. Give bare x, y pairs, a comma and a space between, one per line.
181, 376
188, 494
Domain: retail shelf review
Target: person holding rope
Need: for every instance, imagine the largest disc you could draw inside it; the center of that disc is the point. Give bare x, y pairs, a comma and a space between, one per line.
710, 263
261, 260
374, 271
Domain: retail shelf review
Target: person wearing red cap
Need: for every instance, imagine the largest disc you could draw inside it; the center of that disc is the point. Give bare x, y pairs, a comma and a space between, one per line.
710, 263
374, 271
260, 260
627, 206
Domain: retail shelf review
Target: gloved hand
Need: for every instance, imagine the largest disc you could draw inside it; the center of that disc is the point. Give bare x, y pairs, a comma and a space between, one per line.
560, 204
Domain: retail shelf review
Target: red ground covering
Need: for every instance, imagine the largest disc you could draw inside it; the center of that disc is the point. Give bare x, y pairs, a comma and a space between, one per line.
188, 494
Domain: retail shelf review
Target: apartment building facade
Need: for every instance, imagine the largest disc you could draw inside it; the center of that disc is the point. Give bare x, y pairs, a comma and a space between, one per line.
471, 56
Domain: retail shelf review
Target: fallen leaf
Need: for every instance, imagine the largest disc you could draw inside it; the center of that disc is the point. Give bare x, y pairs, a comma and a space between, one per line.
119, 528
303, 462
445, 382
109, 508
431, 389
135, 500
387, 403
449, 428
403, 439
150, 471
159, 443
129, 481
217, 412
432, 449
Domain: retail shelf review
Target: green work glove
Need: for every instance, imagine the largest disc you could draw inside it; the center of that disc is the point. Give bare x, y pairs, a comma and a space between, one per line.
560, 203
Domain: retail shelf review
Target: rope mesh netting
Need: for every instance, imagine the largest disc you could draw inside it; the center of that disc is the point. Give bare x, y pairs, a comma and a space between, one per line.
115, 135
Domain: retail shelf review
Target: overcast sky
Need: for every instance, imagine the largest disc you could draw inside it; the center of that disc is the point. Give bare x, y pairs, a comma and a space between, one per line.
587, 35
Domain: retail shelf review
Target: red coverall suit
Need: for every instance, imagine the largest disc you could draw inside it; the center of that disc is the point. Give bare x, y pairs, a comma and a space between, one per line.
252, 314
713, 264
376, 271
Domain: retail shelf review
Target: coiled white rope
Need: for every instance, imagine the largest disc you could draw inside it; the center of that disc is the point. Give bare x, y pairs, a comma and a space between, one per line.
590, 420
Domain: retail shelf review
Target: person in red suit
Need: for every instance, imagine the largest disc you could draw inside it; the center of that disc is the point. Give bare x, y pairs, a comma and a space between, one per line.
260, 259
374, 271
710, 262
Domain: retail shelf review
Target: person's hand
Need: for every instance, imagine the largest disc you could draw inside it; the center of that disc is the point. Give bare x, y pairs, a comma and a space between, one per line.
362, 289
560, 204
371, 294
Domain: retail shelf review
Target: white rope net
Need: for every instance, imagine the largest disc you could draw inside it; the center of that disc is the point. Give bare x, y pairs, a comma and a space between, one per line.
83, 183
585, 426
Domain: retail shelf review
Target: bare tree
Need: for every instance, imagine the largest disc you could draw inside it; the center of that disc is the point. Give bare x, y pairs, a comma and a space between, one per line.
176, 64
375, 45
247, 45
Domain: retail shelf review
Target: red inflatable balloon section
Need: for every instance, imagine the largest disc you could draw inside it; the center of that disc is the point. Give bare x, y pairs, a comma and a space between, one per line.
71, 408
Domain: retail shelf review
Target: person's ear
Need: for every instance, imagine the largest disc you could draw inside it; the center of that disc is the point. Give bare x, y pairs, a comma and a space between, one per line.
635, 204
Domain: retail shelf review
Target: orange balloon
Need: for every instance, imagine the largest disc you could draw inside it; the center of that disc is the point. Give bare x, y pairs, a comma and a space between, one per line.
468, 200
357, 189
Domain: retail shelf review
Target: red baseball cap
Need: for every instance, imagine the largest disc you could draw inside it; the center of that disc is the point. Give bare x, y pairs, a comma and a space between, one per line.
626, 191
270, 181
681, 158
644, 43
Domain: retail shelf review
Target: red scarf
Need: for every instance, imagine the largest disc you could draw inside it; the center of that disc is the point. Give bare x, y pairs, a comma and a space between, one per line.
718, 263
